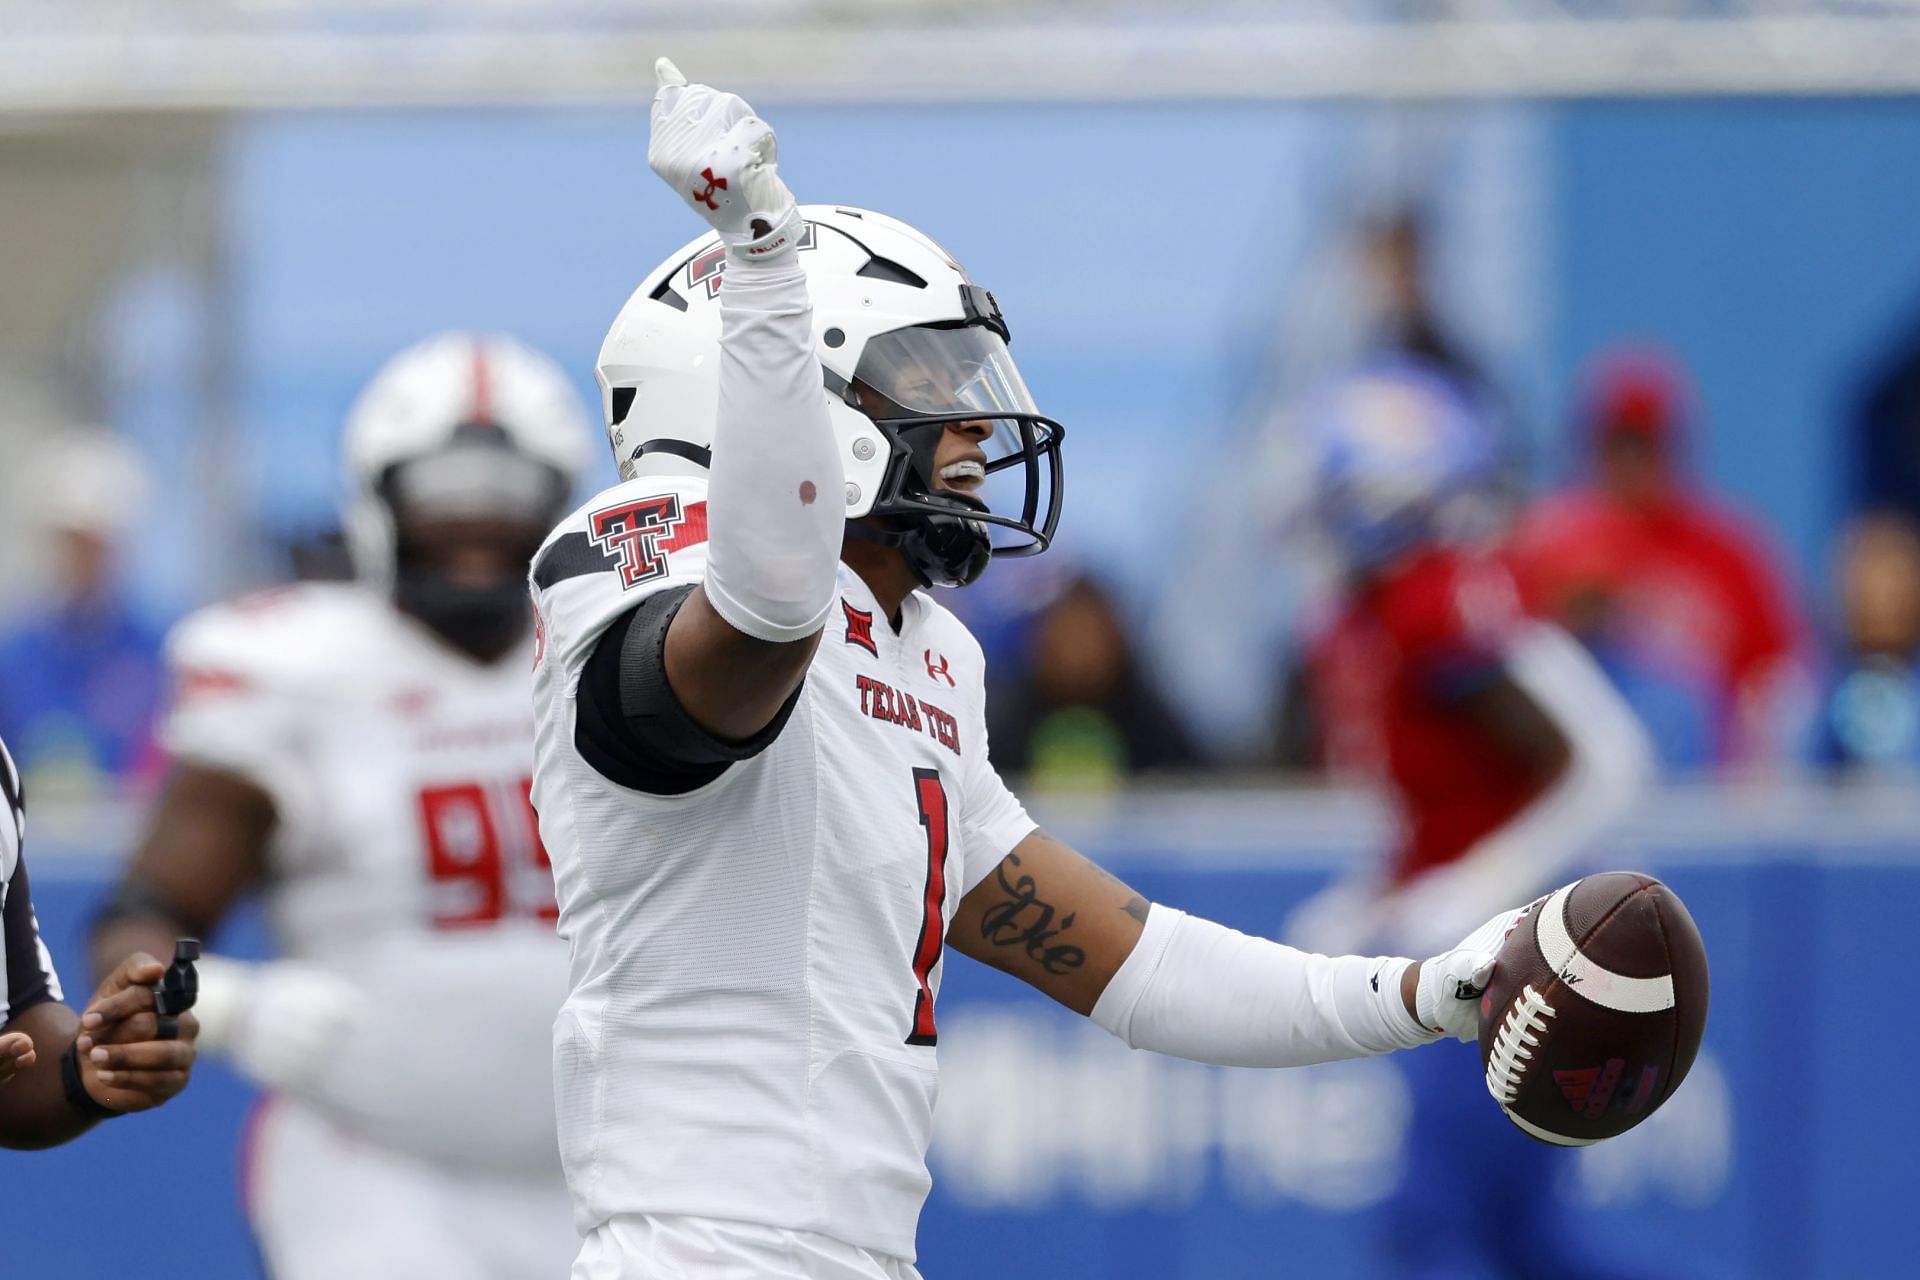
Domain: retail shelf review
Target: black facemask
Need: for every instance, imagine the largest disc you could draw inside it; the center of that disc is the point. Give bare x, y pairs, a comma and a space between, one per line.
478, 476
937, 379
482, 622
946, 550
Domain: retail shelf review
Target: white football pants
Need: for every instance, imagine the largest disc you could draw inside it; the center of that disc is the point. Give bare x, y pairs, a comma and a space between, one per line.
327, 1205
675, 1247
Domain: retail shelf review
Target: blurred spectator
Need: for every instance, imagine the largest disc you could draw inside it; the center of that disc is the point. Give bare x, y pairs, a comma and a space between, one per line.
1505, 753
79, 672
1870, 715
1679, 599
1081, 712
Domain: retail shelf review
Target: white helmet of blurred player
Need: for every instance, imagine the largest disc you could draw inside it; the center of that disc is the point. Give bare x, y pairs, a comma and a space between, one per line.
907, 344
459, 427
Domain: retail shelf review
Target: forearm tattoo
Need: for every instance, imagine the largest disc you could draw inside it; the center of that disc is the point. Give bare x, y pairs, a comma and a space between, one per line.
1024, 921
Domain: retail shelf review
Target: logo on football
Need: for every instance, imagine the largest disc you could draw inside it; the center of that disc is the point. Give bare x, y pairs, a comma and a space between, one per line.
1596, 1009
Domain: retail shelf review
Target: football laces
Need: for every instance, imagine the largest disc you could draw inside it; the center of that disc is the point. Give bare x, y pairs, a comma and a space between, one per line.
1513, 1045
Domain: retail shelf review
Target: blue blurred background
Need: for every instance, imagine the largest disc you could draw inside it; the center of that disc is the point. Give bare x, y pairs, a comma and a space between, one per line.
206, 260
1760, 244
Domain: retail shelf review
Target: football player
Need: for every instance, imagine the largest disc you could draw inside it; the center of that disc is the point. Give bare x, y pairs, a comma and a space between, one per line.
1499, 743
359, 753
761, 760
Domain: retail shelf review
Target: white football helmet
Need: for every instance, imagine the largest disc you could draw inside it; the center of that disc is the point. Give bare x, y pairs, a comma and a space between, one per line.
907, 344
460, 424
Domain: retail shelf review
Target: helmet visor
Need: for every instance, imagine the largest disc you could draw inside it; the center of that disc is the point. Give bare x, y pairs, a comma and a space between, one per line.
475, 481
945, 370
925, 382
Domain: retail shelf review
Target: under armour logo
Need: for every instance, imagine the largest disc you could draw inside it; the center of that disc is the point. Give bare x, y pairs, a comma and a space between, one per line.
937, 668
713, 184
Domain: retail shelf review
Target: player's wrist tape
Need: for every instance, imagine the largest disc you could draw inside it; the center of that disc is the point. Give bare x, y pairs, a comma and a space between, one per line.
82, 1102
1198, 990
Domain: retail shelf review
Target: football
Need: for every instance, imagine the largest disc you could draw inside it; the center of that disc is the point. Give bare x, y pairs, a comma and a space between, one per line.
1595, 1010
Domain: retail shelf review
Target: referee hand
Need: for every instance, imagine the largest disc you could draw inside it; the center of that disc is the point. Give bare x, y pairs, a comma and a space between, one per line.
124, 1064
16, 1052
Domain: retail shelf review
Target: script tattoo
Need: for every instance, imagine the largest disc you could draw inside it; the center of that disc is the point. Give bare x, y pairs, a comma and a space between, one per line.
1024, 921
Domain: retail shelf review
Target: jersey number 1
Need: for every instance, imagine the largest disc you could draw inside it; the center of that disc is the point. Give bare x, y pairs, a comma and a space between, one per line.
931, 796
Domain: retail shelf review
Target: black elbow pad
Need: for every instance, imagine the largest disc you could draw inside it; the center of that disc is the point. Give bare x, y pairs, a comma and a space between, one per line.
629, 725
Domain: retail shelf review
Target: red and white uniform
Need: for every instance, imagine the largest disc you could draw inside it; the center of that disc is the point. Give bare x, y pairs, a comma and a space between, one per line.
406, 859
1478, 825
1389, 672
751, 1032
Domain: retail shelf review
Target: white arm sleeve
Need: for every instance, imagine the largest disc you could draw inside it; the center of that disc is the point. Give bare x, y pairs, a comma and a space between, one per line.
1199, 990
1610, 765
775, 500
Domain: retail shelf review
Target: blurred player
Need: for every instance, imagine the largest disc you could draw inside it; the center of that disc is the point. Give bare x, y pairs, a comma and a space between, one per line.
61, 1075
1502, 748
762, 766
360, 754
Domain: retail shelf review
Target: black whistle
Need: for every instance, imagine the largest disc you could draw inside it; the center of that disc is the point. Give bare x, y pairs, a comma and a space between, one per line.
179, 987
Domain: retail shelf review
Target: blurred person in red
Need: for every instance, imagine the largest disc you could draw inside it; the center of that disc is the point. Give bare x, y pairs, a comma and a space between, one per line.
80, 677
1504, 751
1083, 712
1679, 598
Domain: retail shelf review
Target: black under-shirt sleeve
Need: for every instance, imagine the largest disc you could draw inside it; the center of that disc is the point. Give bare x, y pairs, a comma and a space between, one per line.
30, 979
629, 724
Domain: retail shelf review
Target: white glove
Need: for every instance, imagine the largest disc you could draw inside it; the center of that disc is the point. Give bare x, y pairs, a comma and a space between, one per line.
1447, 997
281, 1023
721, 158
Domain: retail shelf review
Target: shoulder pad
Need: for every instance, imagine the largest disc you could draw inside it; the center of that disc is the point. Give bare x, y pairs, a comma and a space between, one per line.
276, 635
628, 542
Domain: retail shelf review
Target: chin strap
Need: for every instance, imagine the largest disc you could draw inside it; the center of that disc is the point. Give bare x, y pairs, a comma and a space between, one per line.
942, 550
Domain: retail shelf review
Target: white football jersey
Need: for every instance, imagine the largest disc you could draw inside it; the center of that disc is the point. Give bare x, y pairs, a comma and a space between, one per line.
406, 855
751, 1030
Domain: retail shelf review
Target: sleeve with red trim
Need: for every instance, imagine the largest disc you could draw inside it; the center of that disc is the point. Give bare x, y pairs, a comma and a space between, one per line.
235, 701
606, 586
628, 543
